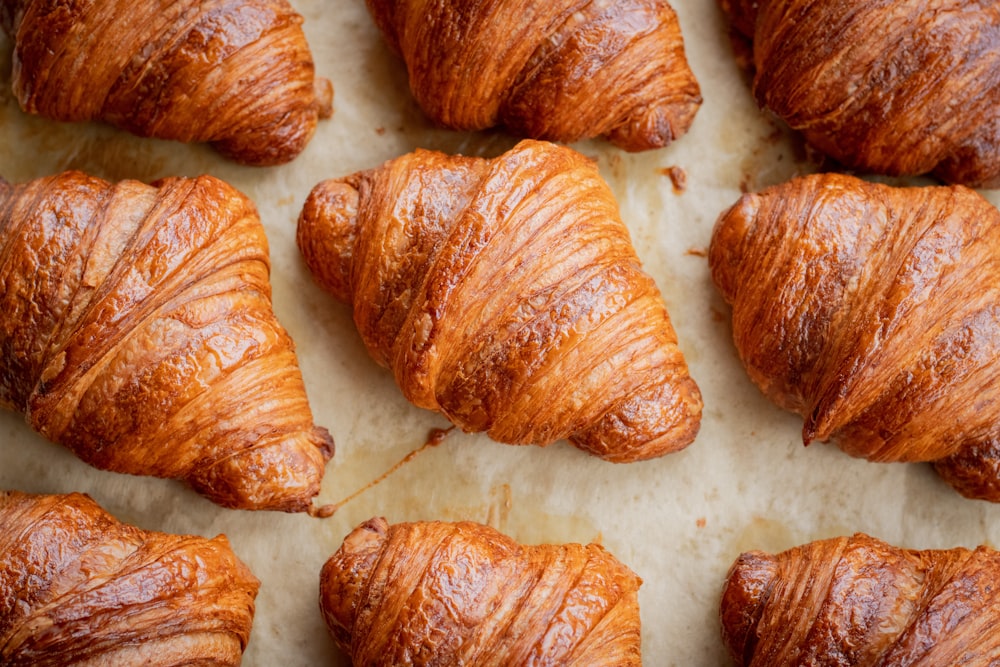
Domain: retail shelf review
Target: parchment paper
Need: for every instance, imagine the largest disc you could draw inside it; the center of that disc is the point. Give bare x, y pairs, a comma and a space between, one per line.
680, 521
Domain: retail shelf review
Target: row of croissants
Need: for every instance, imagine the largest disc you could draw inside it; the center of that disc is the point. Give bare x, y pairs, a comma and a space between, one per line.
435, 593
136, 324
874, 85
506, 295
78, 587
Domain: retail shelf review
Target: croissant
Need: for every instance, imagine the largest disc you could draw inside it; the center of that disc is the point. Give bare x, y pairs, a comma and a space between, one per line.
871, 311
561, 70
136, 329
435, 593
506, 294
861, 602
900, 88
237, 74
77, 587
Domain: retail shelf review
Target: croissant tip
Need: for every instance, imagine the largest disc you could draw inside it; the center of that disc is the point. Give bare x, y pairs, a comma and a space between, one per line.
323, 91
323, 511
326, 444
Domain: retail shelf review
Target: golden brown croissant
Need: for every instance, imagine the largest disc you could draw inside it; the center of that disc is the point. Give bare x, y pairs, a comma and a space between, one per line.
872, 312
903, 87
858, 601
561, 70
136, 329
506, 294
435, 593
237, 73
79, 588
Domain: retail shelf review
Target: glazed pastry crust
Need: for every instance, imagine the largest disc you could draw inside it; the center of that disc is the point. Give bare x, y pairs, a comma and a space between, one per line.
506, 294
137, 330
871, 311
887, 86
79, 588
434, 593
235, 73
561, 70
861, 602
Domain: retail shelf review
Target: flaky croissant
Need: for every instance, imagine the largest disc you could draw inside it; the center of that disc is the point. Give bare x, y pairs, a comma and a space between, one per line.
235, 73
858, 601
561, 70
435, 593
136, 329
506, 294
903, 87
77, 587
872, 312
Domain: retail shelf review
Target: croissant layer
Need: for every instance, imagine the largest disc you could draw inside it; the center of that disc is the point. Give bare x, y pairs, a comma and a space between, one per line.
77, 587
861, 602
889, 86
136, 329
506, 294
434, 593
235, 73
871, 311
561, 70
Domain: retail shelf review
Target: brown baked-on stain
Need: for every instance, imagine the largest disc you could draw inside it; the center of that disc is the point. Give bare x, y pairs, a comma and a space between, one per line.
435, 437
677, 176
442, 593
561, 70
134, 316
896, 88
870, 310
237, 74
505, 293
859, 601
79, 587
697, 251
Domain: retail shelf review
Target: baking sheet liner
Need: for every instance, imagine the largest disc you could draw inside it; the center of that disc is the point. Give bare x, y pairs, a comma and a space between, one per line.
680, 521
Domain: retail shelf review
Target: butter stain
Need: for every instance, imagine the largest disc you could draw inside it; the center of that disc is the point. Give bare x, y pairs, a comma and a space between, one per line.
499, 509
763, 534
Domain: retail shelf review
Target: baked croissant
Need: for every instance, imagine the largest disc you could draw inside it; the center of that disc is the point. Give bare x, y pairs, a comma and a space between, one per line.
77, 587
506, 294
905, 87
871, 311
434, 593
136, 329
236, 73
861, 602
561, 70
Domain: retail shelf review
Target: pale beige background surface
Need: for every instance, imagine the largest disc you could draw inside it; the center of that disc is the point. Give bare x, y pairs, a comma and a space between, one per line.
679, 522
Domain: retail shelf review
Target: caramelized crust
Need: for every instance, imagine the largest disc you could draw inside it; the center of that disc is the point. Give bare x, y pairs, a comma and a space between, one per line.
889, 86
79, 588
872, 312
860, 602
137, 330
235, 73
506, 294
433, 593
561, 70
